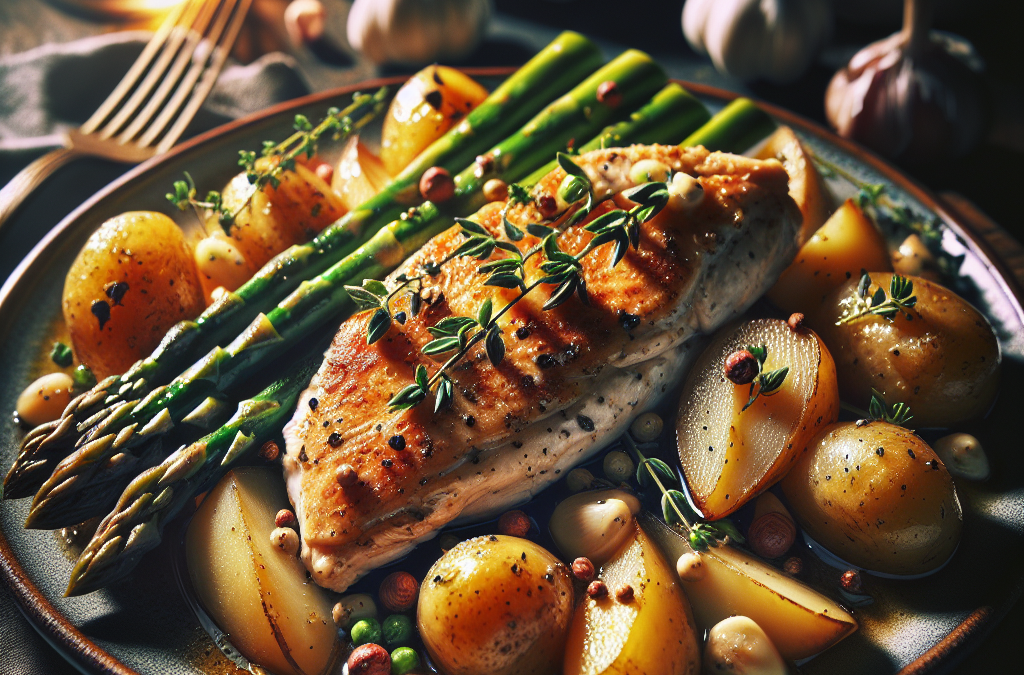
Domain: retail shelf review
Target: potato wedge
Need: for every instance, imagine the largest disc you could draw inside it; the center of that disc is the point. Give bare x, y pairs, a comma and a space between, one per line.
423, 110
844, 246
651, 633
943, 362
878, 497
498, 605
134, 278
806, 187
256, 593
359, 174
728, 454
800, 621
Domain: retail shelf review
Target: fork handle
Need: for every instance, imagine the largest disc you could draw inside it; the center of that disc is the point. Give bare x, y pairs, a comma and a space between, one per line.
32, 176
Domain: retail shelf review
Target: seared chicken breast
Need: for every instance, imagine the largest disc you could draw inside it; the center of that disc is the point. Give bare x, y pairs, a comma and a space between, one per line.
571, 379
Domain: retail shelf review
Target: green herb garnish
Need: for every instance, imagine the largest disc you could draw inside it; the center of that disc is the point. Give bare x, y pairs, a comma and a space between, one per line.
61, 355
900, 299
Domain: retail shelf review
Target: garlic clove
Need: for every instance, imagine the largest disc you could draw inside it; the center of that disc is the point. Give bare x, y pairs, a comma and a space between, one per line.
690, 567
738, 645
594, 525
685, 192
913, 259
963, 456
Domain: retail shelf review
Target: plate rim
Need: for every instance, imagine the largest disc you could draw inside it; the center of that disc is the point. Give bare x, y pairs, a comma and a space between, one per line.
88, 657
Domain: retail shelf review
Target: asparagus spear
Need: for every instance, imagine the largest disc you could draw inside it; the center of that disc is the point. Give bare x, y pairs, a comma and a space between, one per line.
80, 484
734, 128
560, 65
683, 114
113, 552
159, 493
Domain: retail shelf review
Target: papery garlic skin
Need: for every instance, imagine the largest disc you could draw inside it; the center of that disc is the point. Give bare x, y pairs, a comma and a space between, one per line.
917, 95
416, 31
774, 40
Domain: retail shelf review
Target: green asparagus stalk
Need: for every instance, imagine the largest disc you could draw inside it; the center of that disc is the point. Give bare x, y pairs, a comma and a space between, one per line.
135, 525
735, 128
671, 111
668, 118
562, 64
81, 483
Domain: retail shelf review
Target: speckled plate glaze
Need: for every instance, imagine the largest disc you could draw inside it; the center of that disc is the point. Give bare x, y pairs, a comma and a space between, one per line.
145, 624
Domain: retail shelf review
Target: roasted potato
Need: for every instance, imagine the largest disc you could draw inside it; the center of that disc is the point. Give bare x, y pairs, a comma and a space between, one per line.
806, 187
134, 278
275, 218
423, 110
498, 605
359, 175
799, 621
878, 497
649, 630
729, 454
847, 244
942, 361
256, 592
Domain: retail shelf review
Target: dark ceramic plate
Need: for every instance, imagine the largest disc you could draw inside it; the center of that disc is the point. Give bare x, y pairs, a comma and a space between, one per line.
146, 624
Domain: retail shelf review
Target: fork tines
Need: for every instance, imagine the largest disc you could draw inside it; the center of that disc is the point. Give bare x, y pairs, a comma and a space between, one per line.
161, 92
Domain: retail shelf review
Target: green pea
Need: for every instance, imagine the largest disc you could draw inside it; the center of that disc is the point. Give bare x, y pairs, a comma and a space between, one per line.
365, 631
403, 660
397, 630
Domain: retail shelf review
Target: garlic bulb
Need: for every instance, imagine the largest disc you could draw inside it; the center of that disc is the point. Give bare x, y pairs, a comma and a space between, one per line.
916, 95
416, 31
594, 525
773, 40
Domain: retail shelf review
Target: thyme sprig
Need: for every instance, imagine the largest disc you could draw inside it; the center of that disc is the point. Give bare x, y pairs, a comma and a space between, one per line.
901, 298
888, 213
701, 535
305, 140
457, 335
765, 383
899, 413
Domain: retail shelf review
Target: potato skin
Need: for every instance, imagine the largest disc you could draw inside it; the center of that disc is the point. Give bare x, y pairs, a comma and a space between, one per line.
147, 252
497, 605
944, 363
301, 205
877, 496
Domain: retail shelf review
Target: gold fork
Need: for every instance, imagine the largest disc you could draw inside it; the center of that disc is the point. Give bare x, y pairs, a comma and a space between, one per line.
151, 106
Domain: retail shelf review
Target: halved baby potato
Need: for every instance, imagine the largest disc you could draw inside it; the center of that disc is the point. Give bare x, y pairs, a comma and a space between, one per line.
847, 244
257, 593
800, 621
806, 187
651, 631
728, 454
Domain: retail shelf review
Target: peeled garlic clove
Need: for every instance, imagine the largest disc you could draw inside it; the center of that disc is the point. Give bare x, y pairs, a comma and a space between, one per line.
963, 456
738, 645
353, 608
45, 399
690, 567
685, 192
304, 20
913, 259
594, 525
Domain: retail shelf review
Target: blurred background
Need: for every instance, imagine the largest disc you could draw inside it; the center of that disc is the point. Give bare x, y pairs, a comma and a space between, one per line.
60, 58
